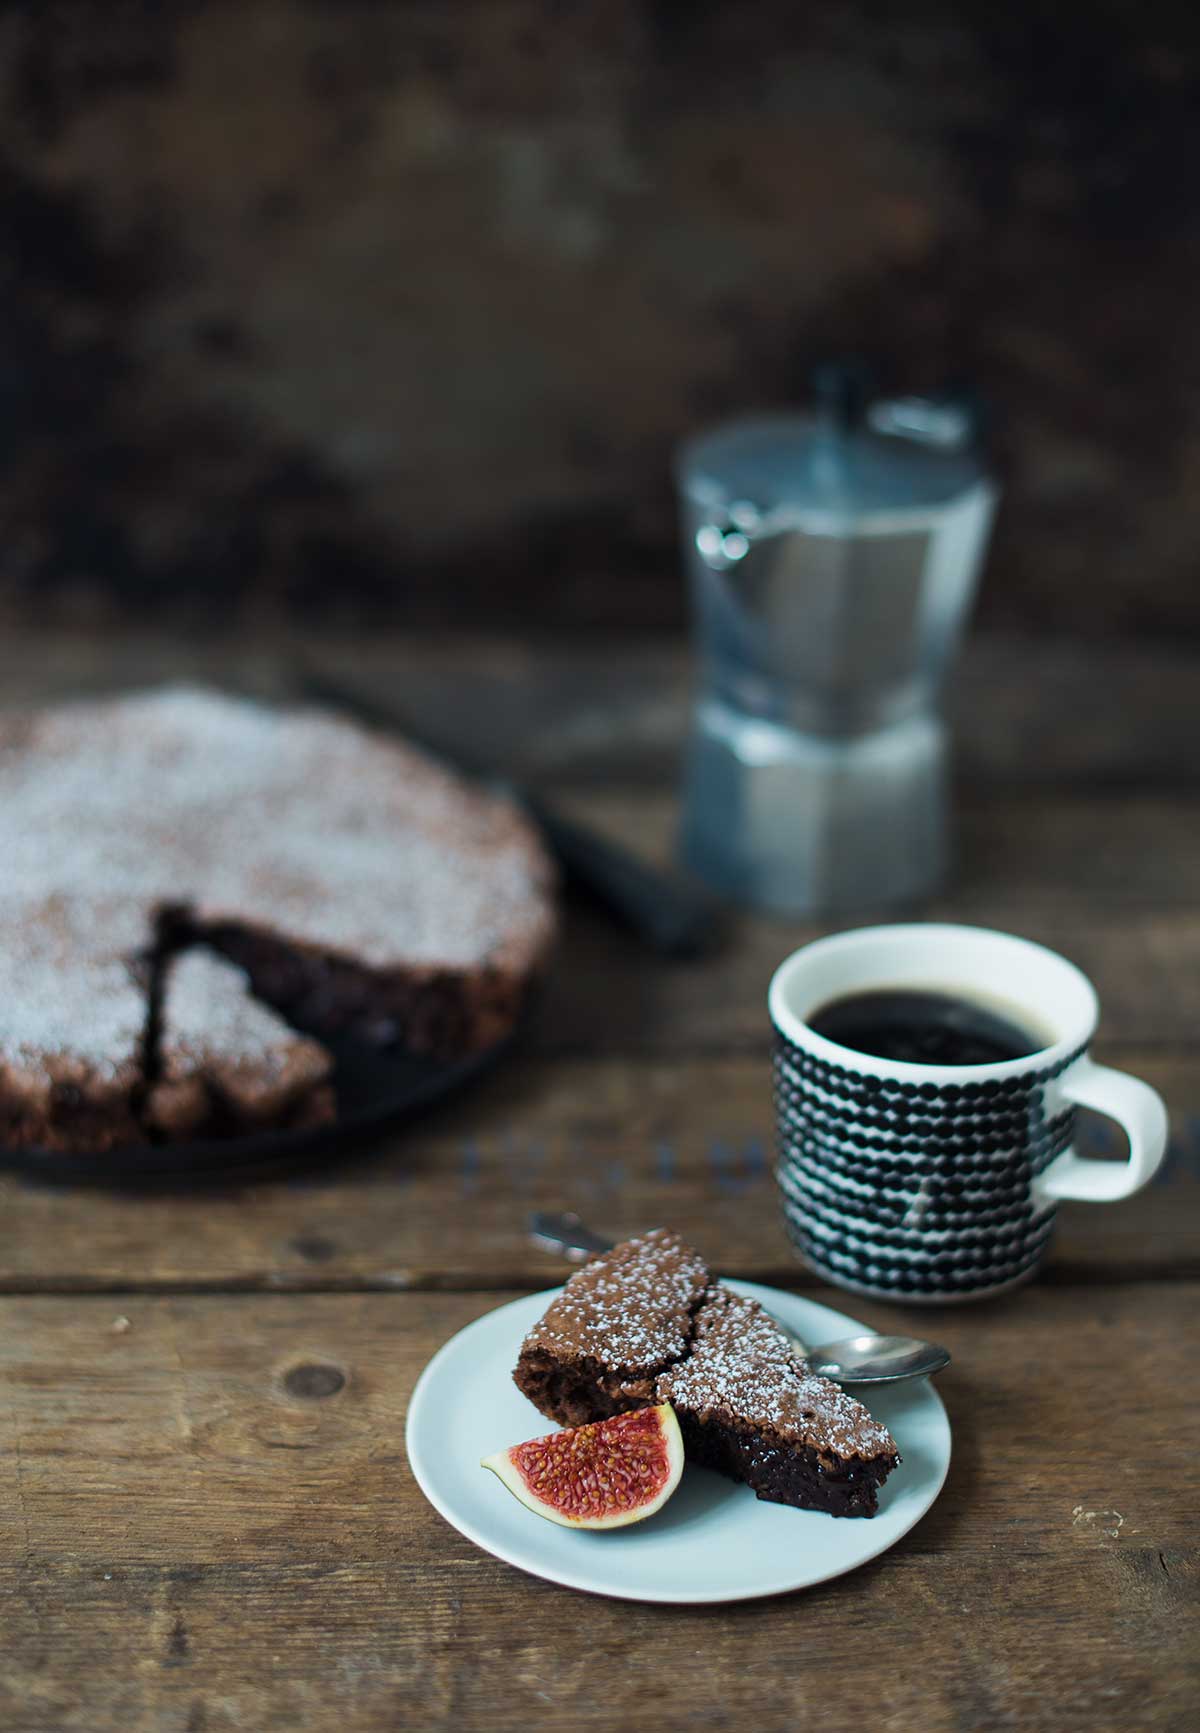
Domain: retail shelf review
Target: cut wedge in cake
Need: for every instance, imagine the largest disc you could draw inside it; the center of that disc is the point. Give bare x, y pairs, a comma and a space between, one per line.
646, 1323
227, 1065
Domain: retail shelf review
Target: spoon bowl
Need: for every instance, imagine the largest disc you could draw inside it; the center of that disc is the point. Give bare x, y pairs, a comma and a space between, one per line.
869, 1359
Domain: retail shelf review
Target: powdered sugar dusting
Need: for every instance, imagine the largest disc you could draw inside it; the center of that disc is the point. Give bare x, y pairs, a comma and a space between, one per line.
650, 1307
631, 1309
741, 1367
70, 990
208, 1016
295, 821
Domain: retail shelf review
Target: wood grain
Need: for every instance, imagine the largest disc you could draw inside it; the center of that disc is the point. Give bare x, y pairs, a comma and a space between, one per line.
191, 1542
1030, 711
626, 1143
227, 1428
1098, 1640
206, 1516
1045, 853
606, 995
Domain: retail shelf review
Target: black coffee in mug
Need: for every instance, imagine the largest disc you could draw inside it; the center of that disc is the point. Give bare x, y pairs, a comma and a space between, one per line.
924, 1028
926, 1084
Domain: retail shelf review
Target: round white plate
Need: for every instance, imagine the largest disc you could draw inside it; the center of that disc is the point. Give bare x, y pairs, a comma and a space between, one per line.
713, 1541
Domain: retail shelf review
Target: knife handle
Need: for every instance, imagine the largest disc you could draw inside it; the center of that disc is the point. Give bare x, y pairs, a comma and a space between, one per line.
661, 906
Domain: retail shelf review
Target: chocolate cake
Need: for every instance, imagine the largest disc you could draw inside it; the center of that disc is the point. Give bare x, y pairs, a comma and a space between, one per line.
361, 886
646, 1323
617, 1325
73, 1021
226, 1065
748, 1407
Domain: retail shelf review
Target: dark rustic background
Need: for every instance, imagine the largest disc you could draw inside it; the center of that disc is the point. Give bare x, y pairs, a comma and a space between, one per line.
396, 312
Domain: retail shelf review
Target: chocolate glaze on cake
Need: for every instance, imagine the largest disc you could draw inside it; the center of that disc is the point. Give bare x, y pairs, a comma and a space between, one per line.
226, 1065
646, 1323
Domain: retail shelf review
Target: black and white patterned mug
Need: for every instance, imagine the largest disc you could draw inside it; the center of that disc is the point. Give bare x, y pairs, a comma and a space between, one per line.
937, 1183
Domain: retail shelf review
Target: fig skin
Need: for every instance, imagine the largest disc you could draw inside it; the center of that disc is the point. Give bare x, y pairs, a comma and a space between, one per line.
601, 1435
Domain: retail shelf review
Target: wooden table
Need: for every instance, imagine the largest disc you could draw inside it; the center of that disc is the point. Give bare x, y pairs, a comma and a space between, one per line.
206, 1514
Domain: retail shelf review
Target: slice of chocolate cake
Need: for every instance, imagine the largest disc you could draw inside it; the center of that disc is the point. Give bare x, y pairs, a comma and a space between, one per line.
617, 1324
748, 1407
72, 1021
227, 1066
646, 1323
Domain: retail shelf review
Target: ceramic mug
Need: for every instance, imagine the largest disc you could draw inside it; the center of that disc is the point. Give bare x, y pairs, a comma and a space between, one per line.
935, 1183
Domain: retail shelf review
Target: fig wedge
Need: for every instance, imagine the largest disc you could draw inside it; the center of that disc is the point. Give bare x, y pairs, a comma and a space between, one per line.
607, 1474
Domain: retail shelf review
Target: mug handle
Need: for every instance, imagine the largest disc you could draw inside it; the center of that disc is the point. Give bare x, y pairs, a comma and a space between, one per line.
1137, 1109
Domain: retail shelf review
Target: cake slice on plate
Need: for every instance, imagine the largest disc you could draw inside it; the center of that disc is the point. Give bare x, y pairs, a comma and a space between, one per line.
616, 1325
748, 1407
227, 1065
646, 1323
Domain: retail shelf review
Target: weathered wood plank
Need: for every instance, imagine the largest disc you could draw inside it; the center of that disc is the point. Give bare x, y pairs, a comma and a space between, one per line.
191, 1544
626, 1143
187, 1437
1037, 852
606, 994
1029, 710
1101, 1639
194, 1543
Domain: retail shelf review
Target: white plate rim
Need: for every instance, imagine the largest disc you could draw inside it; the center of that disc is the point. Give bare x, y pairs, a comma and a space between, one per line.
777, 1300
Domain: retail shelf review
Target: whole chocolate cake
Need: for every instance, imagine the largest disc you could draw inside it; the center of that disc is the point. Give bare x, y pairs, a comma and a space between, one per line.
646, 1323
362, 888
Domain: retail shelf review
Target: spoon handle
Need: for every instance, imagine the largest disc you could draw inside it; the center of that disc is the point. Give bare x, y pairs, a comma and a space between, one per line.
562, 1231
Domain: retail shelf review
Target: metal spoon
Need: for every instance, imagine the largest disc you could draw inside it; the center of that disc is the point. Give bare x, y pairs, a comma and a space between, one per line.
866, 1359
876, 1359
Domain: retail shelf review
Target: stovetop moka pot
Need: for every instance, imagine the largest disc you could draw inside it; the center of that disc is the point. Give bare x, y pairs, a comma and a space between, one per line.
833, 558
